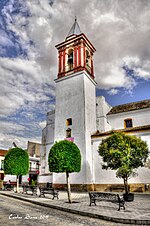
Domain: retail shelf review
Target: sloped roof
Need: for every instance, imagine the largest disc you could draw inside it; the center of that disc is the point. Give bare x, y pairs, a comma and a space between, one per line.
75, 29
3, 152
126, 130
130, 107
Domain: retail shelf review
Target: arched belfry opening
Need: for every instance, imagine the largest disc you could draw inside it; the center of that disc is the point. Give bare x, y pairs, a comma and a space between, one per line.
70, 59
87, 58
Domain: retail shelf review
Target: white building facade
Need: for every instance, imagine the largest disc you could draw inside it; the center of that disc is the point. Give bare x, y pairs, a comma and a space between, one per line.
86, 120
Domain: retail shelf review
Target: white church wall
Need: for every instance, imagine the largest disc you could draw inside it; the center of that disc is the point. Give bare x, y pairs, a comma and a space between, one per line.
102, 176
90, 124
45, 175
72, 95
139, 118
47, 142
50, 127
70, 104
102, 108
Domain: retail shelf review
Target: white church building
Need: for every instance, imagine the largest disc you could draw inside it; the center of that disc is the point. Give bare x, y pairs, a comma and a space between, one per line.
85, 119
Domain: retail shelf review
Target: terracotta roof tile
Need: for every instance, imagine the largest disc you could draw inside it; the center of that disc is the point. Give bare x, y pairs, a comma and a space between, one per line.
3, 152
130, 107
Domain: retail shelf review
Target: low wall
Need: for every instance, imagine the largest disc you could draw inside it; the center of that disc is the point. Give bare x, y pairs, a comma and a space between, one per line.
104, 187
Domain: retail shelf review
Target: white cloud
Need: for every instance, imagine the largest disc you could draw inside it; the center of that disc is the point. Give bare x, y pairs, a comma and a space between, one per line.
141, 68
22, 81
143, 73
115, 76
42, 124
6, 140
113, 91
10, 127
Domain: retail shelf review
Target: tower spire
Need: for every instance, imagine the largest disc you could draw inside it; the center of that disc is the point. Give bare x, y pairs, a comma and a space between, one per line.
75, 29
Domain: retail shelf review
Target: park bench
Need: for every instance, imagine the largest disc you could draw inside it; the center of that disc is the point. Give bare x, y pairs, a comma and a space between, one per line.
31, 188
109, 197
8, 187
48, 190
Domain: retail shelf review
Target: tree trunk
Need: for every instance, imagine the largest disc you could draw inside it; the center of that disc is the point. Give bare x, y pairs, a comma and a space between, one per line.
68, 188
126, 185
17, 188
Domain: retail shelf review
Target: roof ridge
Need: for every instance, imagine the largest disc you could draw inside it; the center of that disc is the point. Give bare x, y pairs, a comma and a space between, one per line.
130, 106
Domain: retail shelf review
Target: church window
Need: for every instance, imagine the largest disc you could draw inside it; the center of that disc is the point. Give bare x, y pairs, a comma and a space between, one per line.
68, 133
69, 122
87, 58
70, 59
128, 123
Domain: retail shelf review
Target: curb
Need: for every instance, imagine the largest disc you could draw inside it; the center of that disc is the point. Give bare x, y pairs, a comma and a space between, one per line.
83, 213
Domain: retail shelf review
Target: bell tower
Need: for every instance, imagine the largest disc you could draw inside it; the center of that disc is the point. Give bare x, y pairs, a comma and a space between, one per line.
75, 110
75, 53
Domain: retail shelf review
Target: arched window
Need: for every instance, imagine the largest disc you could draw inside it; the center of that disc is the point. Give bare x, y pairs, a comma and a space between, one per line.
70, 59
87, 58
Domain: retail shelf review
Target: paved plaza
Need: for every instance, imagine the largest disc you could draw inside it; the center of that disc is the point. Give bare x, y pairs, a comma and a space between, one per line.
135, 213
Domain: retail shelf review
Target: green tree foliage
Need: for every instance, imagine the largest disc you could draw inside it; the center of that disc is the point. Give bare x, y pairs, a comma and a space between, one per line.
16, 162
65, 157
123, 153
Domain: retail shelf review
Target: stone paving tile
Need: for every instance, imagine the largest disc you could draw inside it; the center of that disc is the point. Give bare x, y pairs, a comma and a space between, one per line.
137, 210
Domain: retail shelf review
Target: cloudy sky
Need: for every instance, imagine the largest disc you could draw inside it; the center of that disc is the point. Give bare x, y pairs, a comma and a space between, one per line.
29, 31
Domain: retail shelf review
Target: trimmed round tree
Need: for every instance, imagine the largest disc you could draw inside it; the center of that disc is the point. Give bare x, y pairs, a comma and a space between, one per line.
16, 162
123, 153
64, 156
